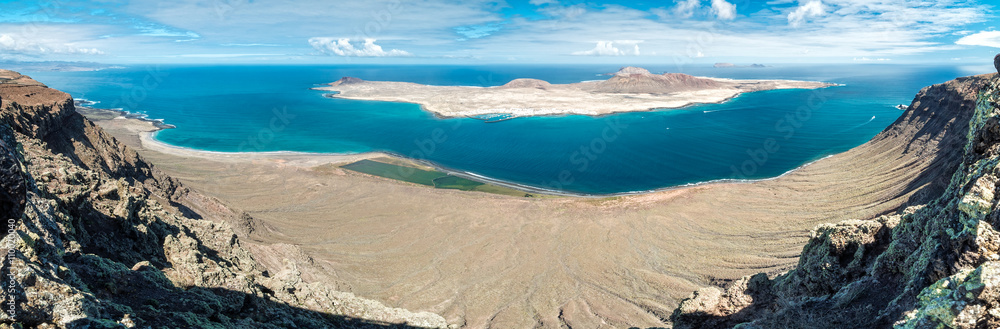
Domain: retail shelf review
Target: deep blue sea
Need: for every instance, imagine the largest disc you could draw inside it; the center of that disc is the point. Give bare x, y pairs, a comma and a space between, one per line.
757, 135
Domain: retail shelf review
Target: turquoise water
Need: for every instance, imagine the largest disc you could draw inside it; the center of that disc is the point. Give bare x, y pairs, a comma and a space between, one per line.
757, 135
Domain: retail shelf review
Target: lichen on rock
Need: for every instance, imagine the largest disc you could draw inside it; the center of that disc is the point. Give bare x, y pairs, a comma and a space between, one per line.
933, 265
105, 240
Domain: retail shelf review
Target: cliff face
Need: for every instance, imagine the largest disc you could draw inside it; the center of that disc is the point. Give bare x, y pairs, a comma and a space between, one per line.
98, 238
930, 265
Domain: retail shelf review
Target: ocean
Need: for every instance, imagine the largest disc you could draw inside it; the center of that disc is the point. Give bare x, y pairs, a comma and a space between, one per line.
754, 136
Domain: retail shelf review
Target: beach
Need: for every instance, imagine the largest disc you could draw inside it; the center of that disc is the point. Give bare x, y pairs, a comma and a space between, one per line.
632, 91
490, 260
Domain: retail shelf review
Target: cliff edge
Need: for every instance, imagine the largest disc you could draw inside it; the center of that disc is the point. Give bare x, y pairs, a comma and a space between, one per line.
932, 265
98, 238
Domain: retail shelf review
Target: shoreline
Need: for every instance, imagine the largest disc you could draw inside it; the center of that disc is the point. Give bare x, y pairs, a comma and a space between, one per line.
439, 115
307, 159
148, 140
630, 90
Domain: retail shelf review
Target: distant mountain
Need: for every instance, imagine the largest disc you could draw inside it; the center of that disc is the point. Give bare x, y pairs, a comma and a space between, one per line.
639, 80
527, 83
347, 81
731, 65
55, 66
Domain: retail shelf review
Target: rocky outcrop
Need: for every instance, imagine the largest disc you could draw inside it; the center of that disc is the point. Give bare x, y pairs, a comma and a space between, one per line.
996, 62
347, 81
12, 186
932, 265
630, 70
106, 240
527, 83
635, 80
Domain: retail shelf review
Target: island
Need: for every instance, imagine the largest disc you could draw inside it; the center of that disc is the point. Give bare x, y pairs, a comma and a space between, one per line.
631, 89
731, 65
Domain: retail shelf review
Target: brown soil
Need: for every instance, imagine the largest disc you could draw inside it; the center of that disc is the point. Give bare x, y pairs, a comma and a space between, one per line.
485, 260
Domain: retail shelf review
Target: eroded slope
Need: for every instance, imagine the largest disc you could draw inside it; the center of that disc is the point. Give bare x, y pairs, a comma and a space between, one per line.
105, 239
933, 265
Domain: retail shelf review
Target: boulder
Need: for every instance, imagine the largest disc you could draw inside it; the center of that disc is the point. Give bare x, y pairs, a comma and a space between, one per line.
996, 62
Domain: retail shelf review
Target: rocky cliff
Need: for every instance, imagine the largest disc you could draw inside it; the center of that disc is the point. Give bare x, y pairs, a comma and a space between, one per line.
96, 237
932, 265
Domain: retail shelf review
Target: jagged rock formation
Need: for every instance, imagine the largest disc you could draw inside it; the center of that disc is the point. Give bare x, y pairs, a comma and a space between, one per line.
12, 186
106, 240
932, 265
996, 62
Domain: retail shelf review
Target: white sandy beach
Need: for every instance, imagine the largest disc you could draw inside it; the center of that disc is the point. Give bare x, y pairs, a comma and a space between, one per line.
630, 90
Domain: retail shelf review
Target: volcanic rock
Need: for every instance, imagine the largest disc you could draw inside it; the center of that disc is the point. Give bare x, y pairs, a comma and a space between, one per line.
931, 265
347, 81
527, 83
12, 186
106, 240
634, 80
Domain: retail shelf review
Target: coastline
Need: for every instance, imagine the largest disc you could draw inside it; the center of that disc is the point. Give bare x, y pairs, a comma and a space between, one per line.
622, 93
449, 252
146, 129
303, 159
546, 112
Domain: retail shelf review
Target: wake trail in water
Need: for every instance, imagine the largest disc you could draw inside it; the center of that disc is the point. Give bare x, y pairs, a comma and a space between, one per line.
858, 126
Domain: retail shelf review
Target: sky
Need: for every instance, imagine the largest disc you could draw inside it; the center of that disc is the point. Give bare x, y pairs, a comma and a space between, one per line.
499, 31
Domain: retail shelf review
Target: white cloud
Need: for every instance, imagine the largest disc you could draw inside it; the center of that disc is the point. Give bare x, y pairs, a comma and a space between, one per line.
250, 45
985, 38
224, 55
723, 10
813, 8
543, 2
477, 31
343, 47
11, 45
824, 29
564, 12
685, 8
607, 48
866, 59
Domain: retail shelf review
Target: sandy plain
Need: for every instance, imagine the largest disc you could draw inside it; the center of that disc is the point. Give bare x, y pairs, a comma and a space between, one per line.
631, 89
484, 260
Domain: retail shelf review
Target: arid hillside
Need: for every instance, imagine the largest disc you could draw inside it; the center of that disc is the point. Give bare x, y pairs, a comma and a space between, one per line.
932, 265
104, 233
483, 260
99, 238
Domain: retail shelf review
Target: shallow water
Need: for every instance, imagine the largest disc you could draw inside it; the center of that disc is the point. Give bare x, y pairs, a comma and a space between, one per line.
756, 135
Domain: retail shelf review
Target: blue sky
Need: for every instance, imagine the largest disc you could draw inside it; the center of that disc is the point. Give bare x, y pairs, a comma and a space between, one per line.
487, 31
